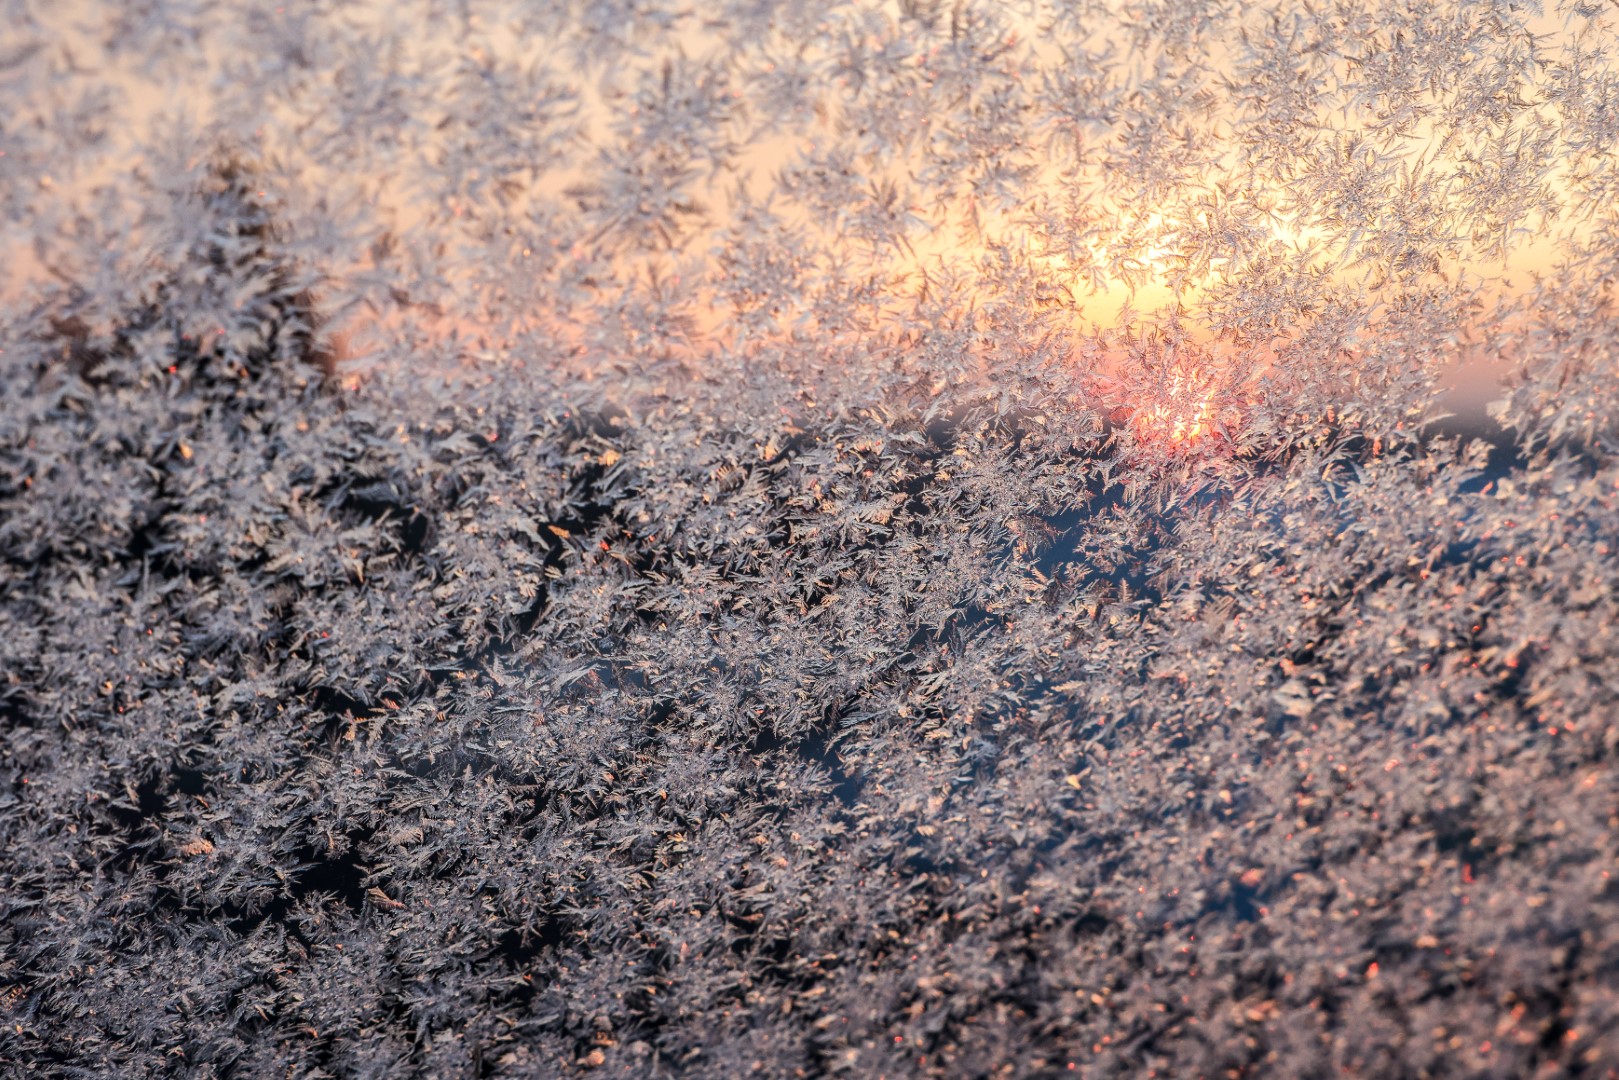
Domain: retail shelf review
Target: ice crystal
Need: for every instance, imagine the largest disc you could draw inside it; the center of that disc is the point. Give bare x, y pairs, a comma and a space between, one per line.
912, 538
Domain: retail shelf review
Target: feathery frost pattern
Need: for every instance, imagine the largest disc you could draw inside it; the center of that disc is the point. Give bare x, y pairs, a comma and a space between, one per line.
636, 538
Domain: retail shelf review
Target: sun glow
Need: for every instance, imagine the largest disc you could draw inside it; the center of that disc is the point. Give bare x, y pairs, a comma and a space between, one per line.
1191, 409
1178, 426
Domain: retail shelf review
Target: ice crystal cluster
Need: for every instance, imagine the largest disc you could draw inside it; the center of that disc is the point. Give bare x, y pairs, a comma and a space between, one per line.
655, 538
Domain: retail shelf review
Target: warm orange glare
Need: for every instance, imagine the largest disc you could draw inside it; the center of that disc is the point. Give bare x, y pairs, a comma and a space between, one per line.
1178, 425
1195, 406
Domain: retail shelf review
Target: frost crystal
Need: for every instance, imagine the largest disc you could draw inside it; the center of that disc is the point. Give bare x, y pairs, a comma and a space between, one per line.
918, 538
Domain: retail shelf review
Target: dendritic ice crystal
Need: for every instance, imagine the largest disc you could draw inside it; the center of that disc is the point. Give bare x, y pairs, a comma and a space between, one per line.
936, 538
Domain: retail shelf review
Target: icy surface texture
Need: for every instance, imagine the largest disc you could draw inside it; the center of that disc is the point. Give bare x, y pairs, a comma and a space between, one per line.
663, 539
